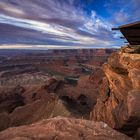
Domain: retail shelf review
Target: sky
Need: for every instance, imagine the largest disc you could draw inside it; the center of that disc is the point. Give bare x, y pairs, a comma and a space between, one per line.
65, 23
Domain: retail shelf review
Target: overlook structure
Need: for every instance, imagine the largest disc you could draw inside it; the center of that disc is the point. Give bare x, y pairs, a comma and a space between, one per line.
131, 32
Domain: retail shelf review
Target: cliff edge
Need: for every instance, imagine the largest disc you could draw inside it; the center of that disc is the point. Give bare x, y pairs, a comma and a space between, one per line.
119, 101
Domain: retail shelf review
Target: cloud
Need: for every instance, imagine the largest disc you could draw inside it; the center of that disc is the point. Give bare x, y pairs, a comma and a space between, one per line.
58, 22
123, 11
121, 17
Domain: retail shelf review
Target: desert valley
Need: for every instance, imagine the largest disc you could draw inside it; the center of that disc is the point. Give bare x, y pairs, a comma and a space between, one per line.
87, 86
69, 80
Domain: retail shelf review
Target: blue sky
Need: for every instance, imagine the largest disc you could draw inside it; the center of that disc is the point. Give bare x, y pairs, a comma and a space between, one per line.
65, 23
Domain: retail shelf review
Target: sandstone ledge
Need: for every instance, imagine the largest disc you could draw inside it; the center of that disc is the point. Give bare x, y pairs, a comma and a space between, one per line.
121, 107
60, 128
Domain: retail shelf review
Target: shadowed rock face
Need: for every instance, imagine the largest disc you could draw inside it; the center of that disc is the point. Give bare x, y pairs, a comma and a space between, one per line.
86, 91
60, 128
13, 96
48, 107
119, 101
38, 104
41, 102
10, 100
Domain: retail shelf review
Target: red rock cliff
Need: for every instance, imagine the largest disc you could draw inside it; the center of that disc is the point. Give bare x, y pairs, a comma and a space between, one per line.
119, 101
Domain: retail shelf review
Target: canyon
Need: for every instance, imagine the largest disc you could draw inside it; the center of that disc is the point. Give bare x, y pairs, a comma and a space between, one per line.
70, 94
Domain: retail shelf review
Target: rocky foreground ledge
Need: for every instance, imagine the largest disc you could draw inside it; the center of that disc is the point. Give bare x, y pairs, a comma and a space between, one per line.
60, 128
119, 101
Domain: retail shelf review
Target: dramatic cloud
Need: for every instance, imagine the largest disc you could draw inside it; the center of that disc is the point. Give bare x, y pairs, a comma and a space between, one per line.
64, 23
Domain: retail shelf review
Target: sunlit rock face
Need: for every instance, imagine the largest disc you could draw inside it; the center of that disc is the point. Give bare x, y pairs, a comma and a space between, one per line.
25, 79
61, 128
119, 101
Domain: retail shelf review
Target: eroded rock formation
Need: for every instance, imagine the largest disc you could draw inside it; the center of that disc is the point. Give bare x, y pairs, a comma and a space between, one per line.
60, 128
119, 101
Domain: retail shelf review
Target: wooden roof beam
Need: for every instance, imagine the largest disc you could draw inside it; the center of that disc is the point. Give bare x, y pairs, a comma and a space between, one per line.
114, 29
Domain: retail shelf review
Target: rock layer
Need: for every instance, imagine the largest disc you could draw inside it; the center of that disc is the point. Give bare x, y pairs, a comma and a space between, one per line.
60, 128
118, 104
